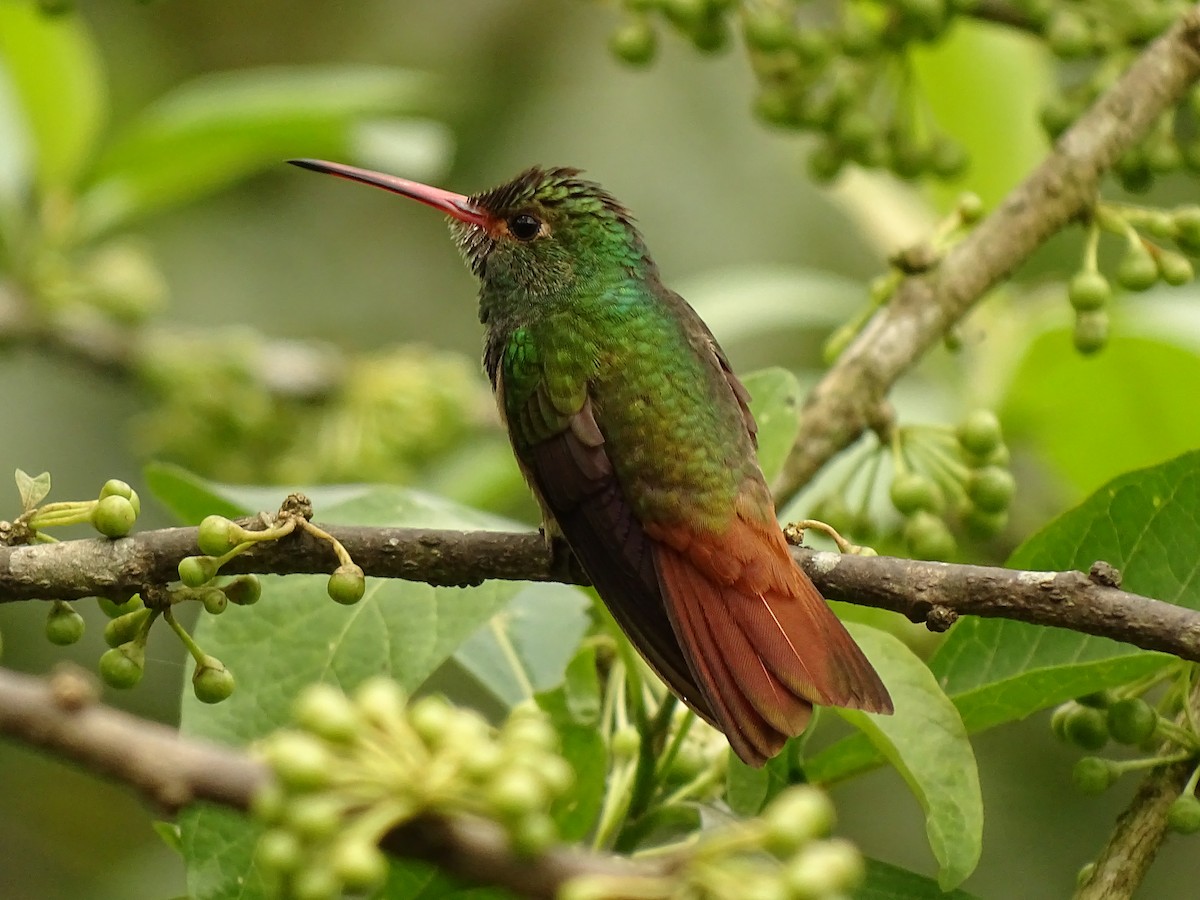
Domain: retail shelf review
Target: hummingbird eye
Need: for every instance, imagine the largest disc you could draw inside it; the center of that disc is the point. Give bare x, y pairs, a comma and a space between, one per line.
525, 227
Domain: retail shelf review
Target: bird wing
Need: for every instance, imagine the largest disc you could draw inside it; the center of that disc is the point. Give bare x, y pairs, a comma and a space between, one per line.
563, 457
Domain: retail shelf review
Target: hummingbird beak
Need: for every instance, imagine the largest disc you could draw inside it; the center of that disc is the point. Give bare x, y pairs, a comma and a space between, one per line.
455, 205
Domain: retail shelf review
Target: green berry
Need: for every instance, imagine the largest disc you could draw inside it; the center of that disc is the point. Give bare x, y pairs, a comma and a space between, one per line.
1187, 229
113, 516
1183, 816
433, 719
1088, 290
1137, 270
1058, 114
1068, 34
1098, 699
775, 106
767, 30
314, 817
279, 851
928, 537
530, 732
983, 525
1094, 775
114, 487
533, 834
970, 208
63, 624
196, 571
516, 792
316, 881
979, 433
244, 590
855, 131
711, 36
1132, 720
1058, 721
347, 584
1086, 727
824, 869
991, 489
947, 158
1163, 155
268, 803
114, 610
212, 682
327, 713
796, 816
1091, 332
125, 628
380, 700
217, 535
214, 600
300, 760
1174, 268
912, 492
635, 42
122, 667
825, 162
360, 865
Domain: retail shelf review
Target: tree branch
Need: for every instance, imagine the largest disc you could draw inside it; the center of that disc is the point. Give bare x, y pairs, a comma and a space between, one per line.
850, 398
930, 592
60, 716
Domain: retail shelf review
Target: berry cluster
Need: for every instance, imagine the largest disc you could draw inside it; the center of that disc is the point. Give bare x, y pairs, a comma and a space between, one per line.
940, 477
1125, 716
354, 769
785, 854
843, 72
1142, 264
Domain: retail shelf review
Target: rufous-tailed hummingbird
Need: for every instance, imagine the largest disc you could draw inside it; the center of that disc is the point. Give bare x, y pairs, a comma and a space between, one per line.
638, 440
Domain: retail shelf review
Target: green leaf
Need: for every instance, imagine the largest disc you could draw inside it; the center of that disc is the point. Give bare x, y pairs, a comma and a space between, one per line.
1126, 400
218, 129
888, 882
748, 790
54, 68
32, 490
775, 402
926, 741
169, 832
524, 649
296, 635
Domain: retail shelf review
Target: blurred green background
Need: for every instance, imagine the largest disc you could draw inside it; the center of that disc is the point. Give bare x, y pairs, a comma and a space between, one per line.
773, 262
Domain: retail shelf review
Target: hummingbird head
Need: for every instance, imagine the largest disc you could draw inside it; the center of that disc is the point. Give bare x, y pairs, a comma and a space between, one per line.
542, 233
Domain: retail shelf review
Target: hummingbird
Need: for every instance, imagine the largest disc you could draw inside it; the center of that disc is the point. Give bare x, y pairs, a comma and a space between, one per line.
637, 439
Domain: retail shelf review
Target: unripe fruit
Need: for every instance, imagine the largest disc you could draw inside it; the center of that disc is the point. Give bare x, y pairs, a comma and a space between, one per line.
115, 610
196, 571
113, 516
516, 792
122, 667
63, 625
1137, 270
214, 600
217, 536
125, 628
767, 30
300, 760
1068, 34
991, 489
432, 719
979, 433
1086, 727
315, 881
1089, 290
626, 742
380, 700
798, 815
314, 817
279, 851
928, 537
1132, 720
115, 487
347, 584
1174, 268
327, 713
212, 682
533, 834
985, 525
1093, 775
635, 42
531, 731
911, 492
360, 865
244, 590
823, 869
1091, 332
1183, 816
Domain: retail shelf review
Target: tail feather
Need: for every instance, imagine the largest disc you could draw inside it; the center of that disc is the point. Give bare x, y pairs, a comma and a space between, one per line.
762, 642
